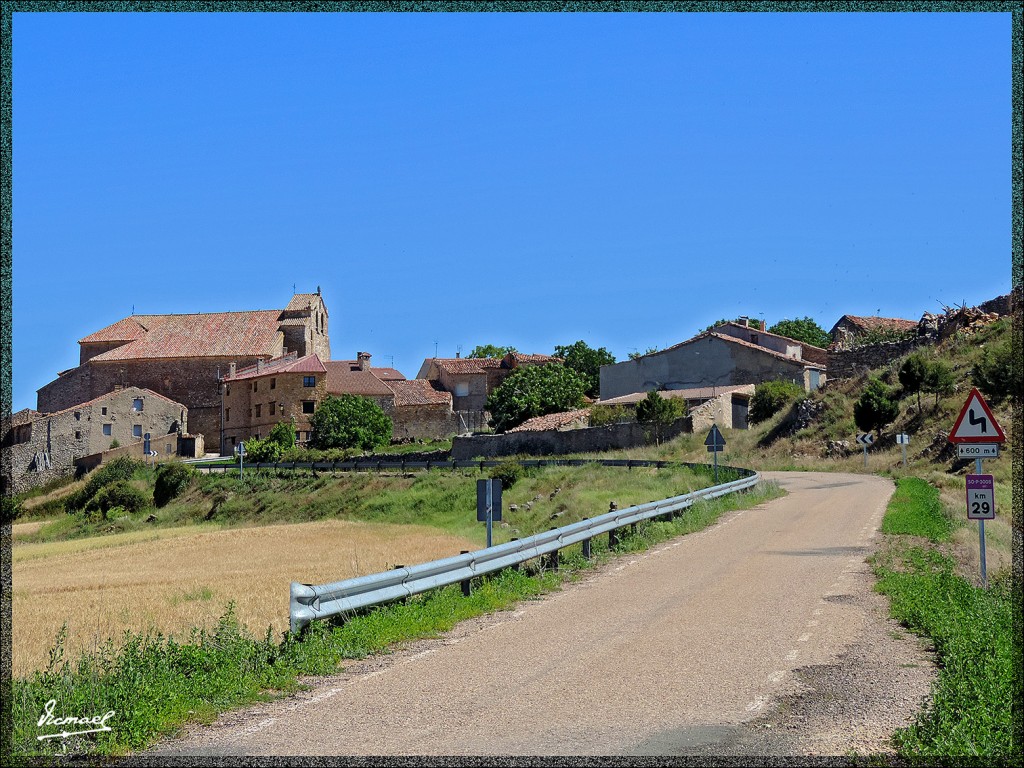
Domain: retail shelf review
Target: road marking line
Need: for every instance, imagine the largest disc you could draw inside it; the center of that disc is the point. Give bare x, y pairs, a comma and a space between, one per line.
812, 623
817, 611
776, 677
791, 656
804, 638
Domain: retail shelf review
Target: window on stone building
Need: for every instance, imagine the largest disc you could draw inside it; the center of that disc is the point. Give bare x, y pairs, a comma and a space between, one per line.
227, 414
309, 381
78, 435
106, 429
255, 386
462, 389
136, 430
78, 415
273, 383
273, 408
259, 409
103, 411
227, 390
137, 404
308, 406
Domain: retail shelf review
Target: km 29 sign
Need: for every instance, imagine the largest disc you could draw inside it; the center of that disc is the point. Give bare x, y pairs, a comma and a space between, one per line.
981, 497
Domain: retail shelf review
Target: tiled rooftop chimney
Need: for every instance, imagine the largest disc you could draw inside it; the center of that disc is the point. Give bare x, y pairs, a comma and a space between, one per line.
363, 359
231, 370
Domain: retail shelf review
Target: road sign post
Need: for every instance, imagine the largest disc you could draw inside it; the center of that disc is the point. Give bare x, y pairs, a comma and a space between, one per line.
978, 436
715, 443
241, 456
865, 439
488, 503
904, 440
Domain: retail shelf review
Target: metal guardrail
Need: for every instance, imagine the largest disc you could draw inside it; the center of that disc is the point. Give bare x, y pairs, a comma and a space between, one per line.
309, 602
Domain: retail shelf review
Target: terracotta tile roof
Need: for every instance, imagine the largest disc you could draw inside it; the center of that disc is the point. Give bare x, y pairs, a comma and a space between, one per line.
419, 392
698, 393
534, 359
342, 380
879, 323
128, 329
384, 374
216, 334
301, 301
467, 365
279, 365
554, 421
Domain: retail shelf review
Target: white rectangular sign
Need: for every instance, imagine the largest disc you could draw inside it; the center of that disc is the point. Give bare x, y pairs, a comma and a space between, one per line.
903, 439
977, 451
981, 497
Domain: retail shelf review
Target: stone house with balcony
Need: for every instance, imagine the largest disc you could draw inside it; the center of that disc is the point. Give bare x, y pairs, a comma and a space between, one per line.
45, 446
730, 354
183, 357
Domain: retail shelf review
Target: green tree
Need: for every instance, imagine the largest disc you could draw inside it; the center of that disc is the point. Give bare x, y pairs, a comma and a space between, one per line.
535, 390
723, 321
995, 375
587, 362
802, 329
770, 397
489, 350
912, 375
283, 434
350, 421
939, 380
638, 355
875, 407
262, 451
660, 412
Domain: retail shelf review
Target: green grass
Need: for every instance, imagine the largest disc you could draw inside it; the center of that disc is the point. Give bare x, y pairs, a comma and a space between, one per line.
155, 684
915, 510
970, 713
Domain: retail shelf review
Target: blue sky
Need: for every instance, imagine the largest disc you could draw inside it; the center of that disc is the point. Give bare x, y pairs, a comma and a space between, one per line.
523, 179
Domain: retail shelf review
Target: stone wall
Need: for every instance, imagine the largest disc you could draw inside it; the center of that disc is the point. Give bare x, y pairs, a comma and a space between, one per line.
556, 442
423, 422
848, 363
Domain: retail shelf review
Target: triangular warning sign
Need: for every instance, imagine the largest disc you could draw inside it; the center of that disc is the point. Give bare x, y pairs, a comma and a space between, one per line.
976, 424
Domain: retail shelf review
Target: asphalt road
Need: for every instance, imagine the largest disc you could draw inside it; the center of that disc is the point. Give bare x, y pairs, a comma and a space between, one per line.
655, 654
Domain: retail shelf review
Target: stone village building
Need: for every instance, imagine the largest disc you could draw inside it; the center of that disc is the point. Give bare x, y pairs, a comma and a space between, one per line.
849, 328
471, 380
291, 388
729, 354
182, 357
45, 446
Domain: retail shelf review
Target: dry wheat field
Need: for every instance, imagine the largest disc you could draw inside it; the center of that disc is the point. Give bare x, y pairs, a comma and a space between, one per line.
174, 579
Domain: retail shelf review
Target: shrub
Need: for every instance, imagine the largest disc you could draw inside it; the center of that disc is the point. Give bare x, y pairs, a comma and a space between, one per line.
802, 329
262, 451
875, 407
171, 481
508, 472
601, 415
770, 397
119, 493
938, 379
121, 468
350, 421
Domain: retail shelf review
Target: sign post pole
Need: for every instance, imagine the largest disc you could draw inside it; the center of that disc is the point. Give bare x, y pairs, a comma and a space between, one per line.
490, 513
715, 442
488, 504
981, 531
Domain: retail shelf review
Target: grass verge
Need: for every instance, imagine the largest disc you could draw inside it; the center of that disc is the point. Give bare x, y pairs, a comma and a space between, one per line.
155, 684
971, 709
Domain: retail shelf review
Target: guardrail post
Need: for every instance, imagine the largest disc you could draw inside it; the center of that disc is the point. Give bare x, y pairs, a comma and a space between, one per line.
552, 559
586, 546
465, 582
613, 539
